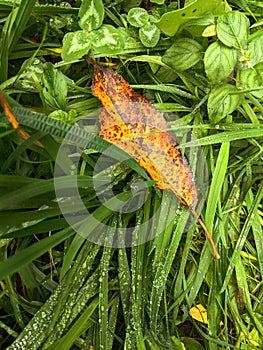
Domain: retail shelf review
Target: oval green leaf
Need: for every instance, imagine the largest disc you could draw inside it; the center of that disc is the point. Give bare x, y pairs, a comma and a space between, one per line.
256, 47
171, 21
183, 54
75, 45
138, 17
252, 78
107, 39
192, 344
219, 62
55, 87
91, 14
149, 35
233, 29
222, 101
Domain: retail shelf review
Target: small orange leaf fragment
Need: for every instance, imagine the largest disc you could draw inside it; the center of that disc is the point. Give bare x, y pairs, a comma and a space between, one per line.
131, 122
13, 120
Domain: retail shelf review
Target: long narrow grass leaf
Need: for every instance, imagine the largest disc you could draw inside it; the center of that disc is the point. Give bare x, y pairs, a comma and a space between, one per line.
23, 257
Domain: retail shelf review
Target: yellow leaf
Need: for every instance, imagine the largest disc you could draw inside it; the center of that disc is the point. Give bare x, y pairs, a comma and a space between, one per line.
209, 31
199, 313
131, 122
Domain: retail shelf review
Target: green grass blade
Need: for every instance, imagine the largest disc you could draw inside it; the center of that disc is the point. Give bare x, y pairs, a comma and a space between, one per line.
124, 283
21, 19
39, 188
23, 257
73, 134
83, 323
41, 227
218, 179
12, 32
164, 267
243, 236
104, 288
227, 136
256, 228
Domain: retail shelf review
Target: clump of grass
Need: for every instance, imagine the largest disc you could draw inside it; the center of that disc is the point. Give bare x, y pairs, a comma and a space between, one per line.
60, 291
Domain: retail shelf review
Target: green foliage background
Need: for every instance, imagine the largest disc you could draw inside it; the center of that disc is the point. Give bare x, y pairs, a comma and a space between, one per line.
59, 291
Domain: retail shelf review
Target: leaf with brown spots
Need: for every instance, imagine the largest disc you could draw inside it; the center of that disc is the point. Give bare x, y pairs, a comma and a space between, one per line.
131, 122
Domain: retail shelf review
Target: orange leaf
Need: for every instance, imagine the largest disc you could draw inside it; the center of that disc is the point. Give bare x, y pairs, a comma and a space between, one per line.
131, 122
13, 120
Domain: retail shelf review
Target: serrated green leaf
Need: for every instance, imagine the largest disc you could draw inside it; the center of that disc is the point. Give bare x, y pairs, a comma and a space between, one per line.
107, 39
183, 54
91, 14
149, 35
75, 45
222, 101
219, 62
232, 29
137, 17
171, 21
252, 78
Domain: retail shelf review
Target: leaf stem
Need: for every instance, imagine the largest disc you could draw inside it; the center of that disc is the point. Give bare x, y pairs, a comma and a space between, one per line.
208, 234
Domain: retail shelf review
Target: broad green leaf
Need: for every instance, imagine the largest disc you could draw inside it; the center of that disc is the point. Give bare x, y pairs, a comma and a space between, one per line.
91, 14
252, 78
256, 47
149, 35
55, 87
192, 344
232, 29
75, 45
107, 39
171, 21
219, 62
222, 101
138, 17
183, 54
205, 20
131, 45
63, 116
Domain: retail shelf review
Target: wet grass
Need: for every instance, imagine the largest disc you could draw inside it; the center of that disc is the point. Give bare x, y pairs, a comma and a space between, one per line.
61, 291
